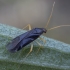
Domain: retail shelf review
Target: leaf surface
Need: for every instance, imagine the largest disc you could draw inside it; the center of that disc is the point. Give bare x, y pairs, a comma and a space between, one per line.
54, 55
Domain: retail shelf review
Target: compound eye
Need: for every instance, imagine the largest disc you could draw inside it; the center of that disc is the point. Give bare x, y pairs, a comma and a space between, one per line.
44, 30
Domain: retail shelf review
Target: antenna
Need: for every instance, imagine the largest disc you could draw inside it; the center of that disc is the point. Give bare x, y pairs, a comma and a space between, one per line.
57, 27
50, 19
50, 14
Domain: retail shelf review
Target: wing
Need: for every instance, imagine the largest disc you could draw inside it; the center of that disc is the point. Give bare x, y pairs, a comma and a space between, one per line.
16, 40
24, 39
31, 36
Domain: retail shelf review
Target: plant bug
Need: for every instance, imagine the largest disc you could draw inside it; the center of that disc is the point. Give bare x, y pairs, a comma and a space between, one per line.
26, 38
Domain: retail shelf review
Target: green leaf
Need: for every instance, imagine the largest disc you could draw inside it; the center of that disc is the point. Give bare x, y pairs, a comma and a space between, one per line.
54, 55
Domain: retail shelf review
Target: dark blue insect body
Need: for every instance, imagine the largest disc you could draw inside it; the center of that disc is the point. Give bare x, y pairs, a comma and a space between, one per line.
24, 39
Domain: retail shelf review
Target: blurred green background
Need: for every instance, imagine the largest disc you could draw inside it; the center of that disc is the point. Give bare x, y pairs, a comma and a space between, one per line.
19, 13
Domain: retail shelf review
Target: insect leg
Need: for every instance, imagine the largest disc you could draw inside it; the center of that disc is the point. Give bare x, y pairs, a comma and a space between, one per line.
30, 50
39, 45
29, 26
42, 39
